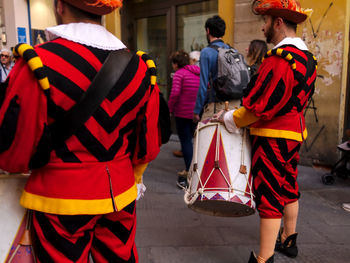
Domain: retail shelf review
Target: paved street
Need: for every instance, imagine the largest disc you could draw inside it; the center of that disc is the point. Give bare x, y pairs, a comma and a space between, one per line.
169, 232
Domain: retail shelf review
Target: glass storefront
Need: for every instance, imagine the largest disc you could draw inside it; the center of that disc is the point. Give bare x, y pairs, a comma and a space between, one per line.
151, 37
160, 27
190, 24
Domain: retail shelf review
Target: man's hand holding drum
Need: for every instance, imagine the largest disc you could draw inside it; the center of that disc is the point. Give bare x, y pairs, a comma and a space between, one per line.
226, 118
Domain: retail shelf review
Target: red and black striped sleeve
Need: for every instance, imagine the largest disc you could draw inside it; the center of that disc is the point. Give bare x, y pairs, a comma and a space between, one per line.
271, 89
23, 117
148, 133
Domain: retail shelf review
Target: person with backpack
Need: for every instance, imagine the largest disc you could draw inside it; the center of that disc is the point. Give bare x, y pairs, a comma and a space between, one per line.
82, 189
224, 73
273, 107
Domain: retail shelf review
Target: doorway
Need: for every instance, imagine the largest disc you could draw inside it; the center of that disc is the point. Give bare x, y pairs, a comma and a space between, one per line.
160, 27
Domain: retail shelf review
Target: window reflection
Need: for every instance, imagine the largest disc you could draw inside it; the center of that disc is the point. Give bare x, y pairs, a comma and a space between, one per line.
190, 24
152, 39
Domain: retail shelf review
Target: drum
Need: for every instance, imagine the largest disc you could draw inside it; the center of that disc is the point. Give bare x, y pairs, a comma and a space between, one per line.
220, 183
14, 243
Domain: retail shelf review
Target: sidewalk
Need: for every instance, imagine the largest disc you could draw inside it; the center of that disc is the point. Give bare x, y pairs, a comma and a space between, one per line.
169, 232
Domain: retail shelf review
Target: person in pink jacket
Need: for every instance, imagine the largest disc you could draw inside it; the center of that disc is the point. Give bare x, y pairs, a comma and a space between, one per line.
181, 105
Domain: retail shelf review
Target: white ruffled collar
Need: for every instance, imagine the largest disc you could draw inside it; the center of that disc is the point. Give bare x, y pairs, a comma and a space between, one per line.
295, 41
87, 34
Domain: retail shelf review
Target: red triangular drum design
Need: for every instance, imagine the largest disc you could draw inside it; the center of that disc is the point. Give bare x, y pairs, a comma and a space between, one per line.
236, 199
217, 197
217, 179
249, 203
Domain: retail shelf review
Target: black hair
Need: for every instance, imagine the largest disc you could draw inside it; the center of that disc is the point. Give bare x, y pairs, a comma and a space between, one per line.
290, 25
181, 58
216, 26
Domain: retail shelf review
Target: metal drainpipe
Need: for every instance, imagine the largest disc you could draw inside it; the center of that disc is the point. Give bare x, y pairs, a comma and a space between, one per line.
29, 23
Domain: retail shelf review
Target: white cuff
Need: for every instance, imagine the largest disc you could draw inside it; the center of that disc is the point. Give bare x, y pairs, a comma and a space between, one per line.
230, 123
141, 189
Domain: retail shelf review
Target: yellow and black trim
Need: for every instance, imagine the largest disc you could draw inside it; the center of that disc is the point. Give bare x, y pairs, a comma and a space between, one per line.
315, 59
151, 66
284, 54
34, 62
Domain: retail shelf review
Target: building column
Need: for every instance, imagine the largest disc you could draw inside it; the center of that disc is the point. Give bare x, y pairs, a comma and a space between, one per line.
226, 10
113, 23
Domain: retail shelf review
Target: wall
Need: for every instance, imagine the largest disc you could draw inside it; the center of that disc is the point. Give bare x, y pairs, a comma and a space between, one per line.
247, 26
41, 13
42, 16
112, 23
326, 34
16, 15
226, 9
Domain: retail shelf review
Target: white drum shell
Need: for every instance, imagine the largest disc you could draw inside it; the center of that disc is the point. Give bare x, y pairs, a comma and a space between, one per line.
11, 187
236, 200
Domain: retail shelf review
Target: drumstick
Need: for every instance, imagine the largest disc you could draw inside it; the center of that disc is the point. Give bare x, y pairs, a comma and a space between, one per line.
13, 175
195, 163
217, 148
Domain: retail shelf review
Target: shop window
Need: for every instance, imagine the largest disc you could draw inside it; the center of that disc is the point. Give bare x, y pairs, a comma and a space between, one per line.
190, 24
151, 37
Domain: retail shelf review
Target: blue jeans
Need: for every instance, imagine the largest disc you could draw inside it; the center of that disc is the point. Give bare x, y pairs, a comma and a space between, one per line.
185, 130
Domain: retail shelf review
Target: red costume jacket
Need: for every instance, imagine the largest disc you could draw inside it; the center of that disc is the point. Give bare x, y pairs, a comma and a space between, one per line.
279, 93
92, 172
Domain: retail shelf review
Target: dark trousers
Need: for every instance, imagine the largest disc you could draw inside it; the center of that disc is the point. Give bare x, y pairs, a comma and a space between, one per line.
185, 130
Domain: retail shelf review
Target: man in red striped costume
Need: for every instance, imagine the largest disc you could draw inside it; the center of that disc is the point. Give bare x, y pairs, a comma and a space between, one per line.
273, 109
84, 197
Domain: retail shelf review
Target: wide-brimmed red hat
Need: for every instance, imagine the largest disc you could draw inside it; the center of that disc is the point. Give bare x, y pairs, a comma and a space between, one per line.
97, 7
287, 9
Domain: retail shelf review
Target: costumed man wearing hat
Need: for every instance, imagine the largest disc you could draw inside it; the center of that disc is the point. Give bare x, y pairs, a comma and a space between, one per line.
83, 197
273, 108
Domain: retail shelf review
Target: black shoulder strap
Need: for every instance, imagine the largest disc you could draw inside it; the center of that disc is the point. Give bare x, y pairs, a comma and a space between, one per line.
62, 129
217, 48
99, 88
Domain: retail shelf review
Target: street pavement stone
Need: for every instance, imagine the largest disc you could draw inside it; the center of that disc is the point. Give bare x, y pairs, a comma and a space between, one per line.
169, 232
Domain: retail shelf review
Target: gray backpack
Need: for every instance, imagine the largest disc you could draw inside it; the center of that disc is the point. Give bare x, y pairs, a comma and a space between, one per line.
233, 74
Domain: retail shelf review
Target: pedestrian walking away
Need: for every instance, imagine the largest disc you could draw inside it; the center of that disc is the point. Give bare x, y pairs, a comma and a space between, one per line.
206, 102
81, 112
194, 60
194, 57
181, 104
273, 109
